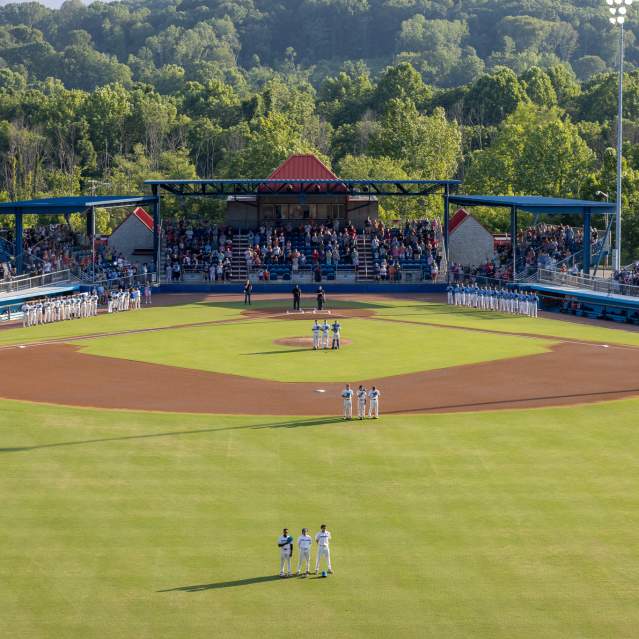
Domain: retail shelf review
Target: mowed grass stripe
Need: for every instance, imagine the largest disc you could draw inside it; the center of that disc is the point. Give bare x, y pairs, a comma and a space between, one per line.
505, 524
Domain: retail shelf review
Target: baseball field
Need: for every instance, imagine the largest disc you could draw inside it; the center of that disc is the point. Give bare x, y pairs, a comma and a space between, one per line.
150, 459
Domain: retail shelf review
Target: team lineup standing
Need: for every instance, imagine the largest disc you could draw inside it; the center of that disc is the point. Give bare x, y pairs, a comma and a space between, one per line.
504, 300
82, 305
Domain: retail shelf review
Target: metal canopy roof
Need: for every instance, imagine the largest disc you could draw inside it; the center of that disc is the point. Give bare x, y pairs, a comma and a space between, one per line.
309, 186
75, 204
536, 204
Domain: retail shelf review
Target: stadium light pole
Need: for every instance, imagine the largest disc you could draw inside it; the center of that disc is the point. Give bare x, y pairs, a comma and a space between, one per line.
619, 10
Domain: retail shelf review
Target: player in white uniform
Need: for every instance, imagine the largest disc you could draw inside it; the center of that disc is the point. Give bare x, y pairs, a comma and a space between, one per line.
322, 539
285, 544
25, 315
325, 329
347, 396
304, 543
316, 335
373, 406
361, 402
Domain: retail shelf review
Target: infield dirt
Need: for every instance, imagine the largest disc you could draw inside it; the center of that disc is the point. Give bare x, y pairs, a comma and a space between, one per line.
61, 374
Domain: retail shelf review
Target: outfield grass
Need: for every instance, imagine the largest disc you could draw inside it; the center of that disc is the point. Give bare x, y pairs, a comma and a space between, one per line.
462, 317
154, 317
495, 525
379, 349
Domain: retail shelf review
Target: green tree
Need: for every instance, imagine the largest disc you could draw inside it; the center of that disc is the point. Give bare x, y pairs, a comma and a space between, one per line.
401, 82
539, 87
536, 151
360, 167
426, 146
493, 97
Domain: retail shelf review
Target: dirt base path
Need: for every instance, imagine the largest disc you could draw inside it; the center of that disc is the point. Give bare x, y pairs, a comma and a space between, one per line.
569, 374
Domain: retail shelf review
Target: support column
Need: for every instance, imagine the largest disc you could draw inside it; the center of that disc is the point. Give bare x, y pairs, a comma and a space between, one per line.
157, 221
19, 246
513, 238
91, 234
445, 229
587, 247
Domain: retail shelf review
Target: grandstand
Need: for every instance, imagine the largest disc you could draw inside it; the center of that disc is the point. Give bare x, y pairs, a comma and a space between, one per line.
306, 225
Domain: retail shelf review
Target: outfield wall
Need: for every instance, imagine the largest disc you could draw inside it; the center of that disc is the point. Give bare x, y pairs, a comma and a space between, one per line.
285, 288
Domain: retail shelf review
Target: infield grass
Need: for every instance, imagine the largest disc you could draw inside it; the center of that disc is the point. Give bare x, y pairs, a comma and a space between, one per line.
494, 525
378, 349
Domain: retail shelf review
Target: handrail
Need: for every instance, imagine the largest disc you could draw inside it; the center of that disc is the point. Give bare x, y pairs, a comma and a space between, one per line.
597, 285
25, 282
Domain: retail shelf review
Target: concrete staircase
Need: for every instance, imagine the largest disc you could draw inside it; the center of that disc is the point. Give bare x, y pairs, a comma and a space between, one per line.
366, 271
239, 271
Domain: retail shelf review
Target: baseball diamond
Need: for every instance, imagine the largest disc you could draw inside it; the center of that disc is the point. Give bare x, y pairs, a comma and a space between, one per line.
148, 457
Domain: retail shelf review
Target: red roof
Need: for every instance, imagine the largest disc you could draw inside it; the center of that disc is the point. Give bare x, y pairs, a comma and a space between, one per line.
459, 217
144, 217
302, 167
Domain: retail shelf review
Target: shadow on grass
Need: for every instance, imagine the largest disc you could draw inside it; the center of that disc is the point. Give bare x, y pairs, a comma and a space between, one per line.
283, 424
225, 584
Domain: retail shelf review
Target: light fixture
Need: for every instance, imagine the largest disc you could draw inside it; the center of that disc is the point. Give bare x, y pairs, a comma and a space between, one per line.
613, 21
622, 11
620, 20
610, 2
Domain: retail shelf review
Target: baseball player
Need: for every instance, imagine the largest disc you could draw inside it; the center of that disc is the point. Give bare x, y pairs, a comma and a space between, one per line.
304, 543
322, 540
285, 544
347, 396
25, 314
336, 328
361, 402
316, 335
373, 405
325, 328
449, 291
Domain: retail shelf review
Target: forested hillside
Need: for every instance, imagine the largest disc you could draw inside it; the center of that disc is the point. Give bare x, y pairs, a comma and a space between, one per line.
511, 96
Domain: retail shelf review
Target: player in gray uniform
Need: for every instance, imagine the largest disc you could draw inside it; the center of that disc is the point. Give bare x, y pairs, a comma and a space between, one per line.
316, 335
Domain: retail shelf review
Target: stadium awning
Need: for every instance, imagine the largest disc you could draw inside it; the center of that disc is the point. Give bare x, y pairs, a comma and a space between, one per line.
535, 204
78, 204
539, 205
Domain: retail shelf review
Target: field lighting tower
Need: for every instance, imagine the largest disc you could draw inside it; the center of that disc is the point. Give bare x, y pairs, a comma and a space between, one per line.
619, 11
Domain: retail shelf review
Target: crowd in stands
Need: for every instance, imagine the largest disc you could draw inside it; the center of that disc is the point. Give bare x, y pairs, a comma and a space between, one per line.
545, 246
415, 244
200, 247
628, 276
54, 247
287, 249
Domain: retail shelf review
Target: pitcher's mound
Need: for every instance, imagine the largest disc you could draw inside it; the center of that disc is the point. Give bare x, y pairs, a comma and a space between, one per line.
305, 341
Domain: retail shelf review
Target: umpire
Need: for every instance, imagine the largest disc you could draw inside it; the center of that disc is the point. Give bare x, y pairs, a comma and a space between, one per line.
297, 296
321, 298
248, 289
